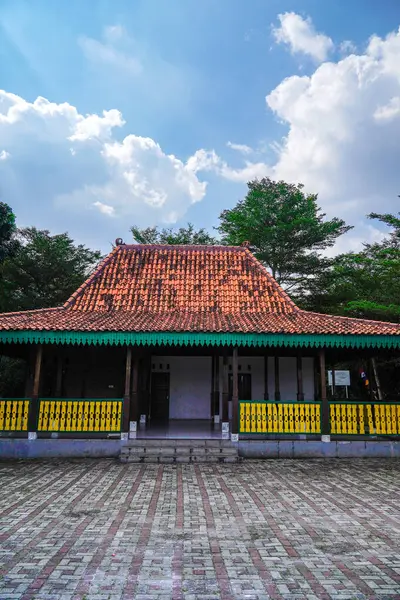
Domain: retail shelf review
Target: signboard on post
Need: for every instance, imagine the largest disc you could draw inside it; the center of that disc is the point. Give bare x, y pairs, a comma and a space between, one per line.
341, 378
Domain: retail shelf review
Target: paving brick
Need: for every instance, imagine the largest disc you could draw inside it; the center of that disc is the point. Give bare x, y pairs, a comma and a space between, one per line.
284, 529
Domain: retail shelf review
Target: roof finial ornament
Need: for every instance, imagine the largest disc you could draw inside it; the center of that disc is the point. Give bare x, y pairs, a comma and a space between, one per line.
245, 244
119, 242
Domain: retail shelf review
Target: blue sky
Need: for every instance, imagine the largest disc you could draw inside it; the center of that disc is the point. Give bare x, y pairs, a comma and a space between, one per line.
199, 97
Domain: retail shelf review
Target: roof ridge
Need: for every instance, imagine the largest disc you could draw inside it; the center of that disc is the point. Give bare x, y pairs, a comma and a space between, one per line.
183, 246
96, 272
272, 279
344, 318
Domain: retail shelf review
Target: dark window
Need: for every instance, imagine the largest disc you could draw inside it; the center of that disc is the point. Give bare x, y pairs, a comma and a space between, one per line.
244, 385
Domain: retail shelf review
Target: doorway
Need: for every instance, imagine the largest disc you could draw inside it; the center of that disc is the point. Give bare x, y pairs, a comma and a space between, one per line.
159, 409
244, 386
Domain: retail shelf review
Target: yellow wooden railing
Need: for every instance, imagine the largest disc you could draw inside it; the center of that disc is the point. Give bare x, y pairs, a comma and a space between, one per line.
356, 418
279, 417
14, 414
80, 415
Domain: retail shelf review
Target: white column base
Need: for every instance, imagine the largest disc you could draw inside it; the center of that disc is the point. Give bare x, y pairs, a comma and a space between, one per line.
234, 437
325, 438
124, 436
32, 435
216, 419
132, 430
225, 427
142, 420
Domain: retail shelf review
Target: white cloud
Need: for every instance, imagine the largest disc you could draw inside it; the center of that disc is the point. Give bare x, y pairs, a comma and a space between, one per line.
242, 148
388, 111
343, 129
208, 160
114, 50
106, 209
347, 47
56, 160
300, 35
94, 126
4, 155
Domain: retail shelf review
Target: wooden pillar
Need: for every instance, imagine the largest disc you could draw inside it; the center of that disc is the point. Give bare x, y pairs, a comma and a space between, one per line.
374, 371
34, 402
266, 392
235, 395
277, 382
127, 390
299, 368
225, 389
324, 399
59, 375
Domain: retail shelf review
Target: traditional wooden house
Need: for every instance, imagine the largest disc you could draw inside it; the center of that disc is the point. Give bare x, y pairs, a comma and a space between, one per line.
185, 333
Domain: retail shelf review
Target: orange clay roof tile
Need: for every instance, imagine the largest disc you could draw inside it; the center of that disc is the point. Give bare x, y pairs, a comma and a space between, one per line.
185, 288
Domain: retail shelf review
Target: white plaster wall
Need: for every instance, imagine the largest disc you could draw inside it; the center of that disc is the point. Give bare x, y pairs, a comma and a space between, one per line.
287, 375
190, 385
190, 382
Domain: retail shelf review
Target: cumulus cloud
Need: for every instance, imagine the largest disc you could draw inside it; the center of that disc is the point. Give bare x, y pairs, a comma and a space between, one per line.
74, 161
208, 160
343, 128
300, 35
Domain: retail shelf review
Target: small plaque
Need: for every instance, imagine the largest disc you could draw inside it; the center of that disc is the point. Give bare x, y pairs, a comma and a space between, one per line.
32, 435
143, 419
225, 427
234, 437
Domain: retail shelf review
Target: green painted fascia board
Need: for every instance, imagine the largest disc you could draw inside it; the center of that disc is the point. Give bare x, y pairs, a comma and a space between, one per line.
144, 338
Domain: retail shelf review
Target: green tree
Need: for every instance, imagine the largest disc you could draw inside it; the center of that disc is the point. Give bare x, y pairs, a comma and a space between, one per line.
362, 284
7, 231
44, 271
285, 229
184, 235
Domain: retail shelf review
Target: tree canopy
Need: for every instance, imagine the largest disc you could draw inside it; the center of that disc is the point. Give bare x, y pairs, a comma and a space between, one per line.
362, 284
184, 235
285, 228
44, 270
7, 231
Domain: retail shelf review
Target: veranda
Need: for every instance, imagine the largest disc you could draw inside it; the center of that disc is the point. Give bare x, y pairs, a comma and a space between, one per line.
220, 391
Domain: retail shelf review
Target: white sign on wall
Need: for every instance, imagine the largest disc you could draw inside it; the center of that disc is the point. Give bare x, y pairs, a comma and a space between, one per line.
341, 378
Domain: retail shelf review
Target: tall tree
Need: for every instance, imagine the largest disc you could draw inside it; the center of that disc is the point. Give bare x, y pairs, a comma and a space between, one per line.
362, 284
285, 228
45, 270
7, 231
184, 235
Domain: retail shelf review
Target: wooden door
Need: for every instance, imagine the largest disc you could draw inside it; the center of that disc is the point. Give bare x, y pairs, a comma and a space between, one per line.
159, 396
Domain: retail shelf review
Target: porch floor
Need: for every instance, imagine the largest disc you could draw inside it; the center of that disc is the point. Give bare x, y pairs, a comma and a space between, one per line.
181, 429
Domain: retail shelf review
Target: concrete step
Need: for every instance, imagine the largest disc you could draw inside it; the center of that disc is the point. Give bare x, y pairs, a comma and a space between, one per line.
179, 451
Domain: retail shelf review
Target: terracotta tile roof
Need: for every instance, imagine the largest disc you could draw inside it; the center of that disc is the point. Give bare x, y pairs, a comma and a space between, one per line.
185, 288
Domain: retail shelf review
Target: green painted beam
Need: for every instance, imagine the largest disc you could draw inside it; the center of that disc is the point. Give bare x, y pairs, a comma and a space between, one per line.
144, 338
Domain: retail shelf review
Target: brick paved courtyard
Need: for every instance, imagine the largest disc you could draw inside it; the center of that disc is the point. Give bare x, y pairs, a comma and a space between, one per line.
96, 529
